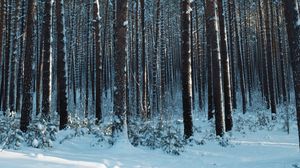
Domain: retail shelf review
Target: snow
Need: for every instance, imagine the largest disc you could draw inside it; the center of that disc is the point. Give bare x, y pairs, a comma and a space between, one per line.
125, 23
261, 149
35, 143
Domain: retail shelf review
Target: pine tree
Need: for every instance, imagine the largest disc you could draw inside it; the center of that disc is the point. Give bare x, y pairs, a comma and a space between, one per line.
61, 57
145, 96
213, 35
292, 17
225, 69
269, 58
46, 61
119, 97
186, 75
98, 61
27, 84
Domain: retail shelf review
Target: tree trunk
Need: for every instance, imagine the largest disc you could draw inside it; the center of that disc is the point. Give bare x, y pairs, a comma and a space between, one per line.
61, 73
232, 49
27, 84
145, 96
269, 59
96, 17
226, 70
119, 97
293, 30
46, 61
7, 56
186, 75
214, 37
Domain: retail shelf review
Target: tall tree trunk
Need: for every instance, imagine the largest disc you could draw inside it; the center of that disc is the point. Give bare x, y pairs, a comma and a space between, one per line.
269, 59
225, 69
16, 33
87, 64
232, 49
1, 27
145, 96
137, 59
96, 17
7, 55
61, 55
292, 18
119, 95
186, 75
209, 27
213, 35
27, 83
155, 89
240, 49
46, 61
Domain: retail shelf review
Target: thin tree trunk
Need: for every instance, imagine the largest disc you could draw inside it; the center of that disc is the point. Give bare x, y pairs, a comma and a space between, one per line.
46, 89
61, 73
98, 62
186, 75
270, 60
226, 70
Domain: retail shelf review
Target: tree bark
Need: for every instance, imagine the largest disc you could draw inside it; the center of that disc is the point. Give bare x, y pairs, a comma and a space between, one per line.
27, 84
291, 12
98, 61
226, 70
213, 36
186, 75
119, 97
61, 73
46, 61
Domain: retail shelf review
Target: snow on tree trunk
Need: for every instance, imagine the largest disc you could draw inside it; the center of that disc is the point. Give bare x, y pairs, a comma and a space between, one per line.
61, 69
186, 71
213, 36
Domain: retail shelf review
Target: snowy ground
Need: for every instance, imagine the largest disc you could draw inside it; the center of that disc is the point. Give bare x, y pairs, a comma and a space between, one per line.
262, 149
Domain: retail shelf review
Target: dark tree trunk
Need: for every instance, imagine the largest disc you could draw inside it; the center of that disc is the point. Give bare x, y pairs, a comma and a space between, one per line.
98, 62
226, 70
14, 58
232, 49
186, 75
119, 97
137, 58
269, 59
46, 61
1, 28
145, 96
7, 56
214, 36
154, 107
61, 73
27, 83
293, 30
209, 27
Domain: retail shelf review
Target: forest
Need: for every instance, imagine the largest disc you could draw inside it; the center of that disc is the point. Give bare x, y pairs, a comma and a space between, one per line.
150, 72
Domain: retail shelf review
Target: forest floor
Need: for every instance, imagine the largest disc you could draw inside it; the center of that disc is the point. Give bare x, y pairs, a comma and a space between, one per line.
259, 148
